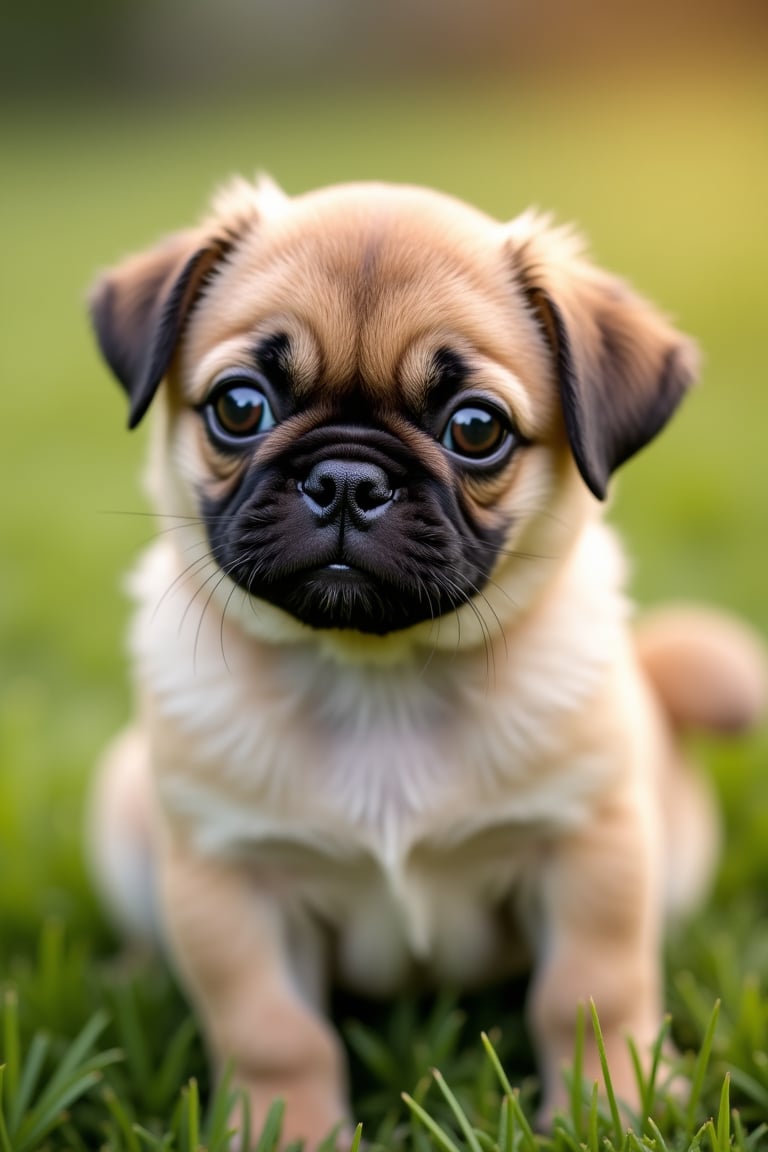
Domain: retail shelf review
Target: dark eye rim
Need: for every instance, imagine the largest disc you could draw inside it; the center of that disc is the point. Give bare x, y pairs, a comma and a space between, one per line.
511, 439
226, 382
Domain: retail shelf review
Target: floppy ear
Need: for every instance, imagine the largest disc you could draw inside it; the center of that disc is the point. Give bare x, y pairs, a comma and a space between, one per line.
622, 368
139, 308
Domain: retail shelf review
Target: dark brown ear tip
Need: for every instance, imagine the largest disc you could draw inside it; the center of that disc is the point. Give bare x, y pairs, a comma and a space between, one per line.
141, 399
144, 389
598, 487
595, 473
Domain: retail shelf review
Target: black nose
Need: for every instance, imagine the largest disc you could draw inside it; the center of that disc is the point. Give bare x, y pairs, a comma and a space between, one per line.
355, 487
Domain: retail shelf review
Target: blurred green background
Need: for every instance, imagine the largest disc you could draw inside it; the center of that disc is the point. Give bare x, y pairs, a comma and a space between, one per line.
648, 126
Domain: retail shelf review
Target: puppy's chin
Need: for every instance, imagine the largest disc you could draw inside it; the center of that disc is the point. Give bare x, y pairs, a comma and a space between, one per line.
343, 597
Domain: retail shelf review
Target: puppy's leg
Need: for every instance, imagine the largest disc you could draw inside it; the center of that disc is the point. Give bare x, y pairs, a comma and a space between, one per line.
120, 837
600, 940
230, 945
692, 836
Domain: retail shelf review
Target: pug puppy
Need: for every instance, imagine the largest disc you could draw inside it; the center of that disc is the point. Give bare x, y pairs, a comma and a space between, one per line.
391, 716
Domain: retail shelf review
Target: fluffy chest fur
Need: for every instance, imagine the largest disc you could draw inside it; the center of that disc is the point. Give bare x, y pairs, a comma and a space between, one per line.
402, 801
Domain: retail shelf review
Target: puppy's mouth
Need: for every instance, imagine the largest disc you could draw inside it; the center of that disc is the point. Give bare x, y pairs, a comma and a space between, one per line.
340, 571
345, 596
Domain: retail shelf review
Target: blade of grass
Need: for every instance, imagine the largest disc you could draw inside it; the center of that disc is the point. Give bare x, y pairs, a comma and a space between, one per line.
76, 1074
505, 1136
269, 1139
458, 1111
30, 1075
634, 1143
132, 1037
647, 1086
593, 1140
162, 1086
609, 1092
528, 1138
657, 1136
154, 1143
577, 1075
751, 1087
5, 1144
191, 1114
700, 1068
707, 1130
124, 1123
724, 1115
487, 1143
356, 1139
419, 1135
648, 1102
442, 1137
51, 1110
245, 1117
77, 1052
564, 1137
217, 1125
490, 1052
512, 1094
11, 1044
60, 1092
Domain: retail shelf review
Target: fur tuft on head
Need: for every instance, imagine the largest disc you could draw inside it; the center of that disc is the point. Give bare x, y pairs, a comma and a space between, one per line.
239, 203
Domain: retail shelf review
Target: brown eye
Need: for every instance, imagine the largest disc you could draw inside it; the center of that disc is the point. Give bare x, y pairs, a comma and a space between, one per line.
239, 411
475, 432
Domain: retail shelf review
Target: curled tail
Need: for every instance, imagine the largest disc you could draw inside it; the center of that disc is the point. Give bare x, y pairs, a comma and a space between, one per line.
710, 674
709, 670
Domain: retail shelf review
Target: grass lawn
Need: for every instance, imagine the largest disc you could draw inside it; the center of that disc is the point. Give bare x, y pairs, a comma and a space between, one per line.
668, 176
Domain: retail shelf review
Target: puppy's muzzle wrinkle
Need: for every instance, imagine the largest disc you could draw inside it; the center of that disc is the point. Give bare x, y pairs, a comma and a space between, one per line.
358, 490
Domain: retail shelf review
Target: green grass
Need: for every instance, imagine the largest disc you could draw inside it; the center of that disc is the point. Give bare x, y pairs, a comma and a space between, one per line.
667, 174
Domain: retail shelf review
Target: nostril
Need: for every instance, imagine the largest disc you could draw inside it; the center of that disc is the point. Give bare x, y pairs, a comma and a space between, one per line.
321, 488
371, 494
324, 491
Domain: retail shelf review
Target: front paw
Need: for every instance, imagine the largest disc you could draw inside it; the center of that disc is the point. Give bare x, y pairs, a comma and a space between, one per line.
621, 1081
310, 1112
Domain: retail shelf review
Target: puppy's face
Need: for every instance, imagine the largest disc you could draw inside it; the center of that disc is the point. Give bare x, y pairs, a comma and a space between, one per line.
381, 404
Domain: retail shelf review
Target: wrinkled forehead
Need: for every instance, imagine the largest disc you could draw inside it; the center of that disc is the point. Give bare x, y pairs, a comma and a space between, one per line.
367, 292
